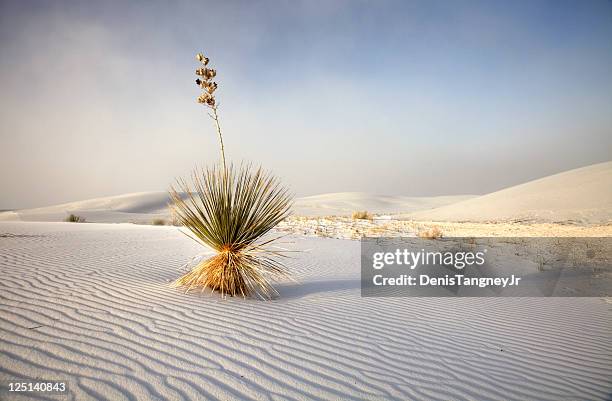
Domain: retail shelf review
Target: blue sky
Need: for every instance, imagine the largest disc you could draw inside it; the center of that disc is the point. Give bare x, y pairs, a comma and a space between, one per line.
414, 98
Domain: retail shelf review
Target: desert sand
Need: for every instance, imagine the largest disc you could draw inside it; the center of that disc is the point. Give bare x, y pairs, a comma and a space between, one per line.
141, 207
144, 207
91, 304
345, 203
582, 195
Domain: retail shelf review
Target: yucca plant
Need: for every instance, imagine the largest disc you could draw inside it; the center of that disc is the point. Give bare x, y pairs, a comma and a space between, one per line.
231, 210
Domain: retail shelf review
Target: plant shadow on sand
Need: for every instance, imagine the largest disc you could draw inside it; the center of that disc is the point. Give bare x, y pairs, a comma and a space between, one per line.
304, 289
289, 290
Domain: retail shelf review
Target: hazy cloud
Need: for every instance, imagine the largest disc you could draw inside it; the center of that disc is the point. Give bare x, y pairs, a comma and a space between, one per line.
418, 98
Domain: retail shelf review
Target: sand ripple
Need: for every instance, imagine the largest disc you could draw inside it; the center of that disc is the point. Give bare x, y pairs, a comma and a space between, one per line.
91, 304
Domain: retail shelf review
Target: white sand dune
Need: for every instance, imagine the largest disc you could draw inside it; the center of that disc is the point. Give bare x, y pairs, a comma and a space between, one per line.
90, 304
345, 203
135, 207
583, 195
143, 207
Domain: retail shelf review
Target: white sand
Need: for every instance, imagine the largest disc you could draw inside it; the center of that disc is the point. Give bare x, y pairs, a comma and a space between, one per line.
345, 203
582, 195
144, 207
348, 228
90, 303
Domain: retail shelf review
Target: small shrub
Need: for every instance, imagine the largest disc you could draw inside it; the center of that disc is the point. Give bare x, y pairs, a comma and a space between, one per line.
362, 215
174, 219
73, 218
433, 233
159, 222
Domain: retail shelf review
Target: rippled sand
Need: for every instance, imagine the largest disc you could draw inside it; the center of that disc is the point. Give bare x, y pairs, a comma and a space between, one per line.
90, 304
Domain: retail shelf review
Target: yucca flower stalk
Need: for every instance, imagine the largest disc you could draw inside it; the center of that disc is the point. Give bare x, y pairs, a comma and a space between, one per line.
207, 96
231, 210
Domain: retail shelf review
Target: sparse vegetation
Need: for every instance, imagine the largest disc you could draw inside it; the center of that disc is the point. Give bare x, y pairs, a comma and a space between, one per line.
230, 210
174, 221
73, 218
362, 215
433, 233
159, 222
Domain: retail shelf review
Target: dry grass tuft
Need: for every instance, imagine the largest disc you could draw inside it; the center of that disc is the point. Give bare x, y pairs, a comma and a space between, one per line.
433, 233
158, 222
73, 218
362, 215
230, 211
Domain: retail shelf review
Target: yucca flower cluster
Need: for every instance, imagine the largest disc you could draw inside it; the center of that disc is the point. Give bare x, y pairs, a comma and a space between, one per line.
231, 210
208, 87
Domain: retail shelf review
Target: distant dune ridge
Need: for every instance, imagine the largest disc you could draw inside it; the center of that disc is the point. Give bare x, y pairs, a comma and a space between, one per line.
141, 207
344, 203
583, 195
145, 206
